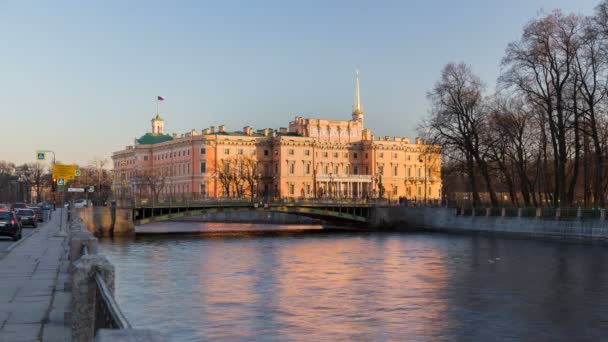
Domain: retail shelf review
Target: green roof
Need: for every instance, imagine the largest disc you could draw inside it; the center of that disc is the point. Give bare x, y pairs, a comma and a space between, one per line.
152, 138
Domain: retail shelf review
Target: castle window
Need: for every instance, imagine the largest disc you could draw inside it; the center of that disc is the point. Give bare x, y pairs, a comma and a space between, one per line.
355, 155
335, 154
395, 171
291, 189
381, 154
345, 154
325, 154
291, 152
145, 158
356, 170
265, 152
240, 152
292, 168
306, 152
307, 169
365, 155
227, 151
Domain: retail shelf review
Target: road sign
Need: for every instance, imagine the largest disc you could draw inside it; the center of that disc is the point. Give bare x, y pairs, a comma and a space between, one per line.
91, 189
77, 173
75, 189
40, 155
60, 181
66, 172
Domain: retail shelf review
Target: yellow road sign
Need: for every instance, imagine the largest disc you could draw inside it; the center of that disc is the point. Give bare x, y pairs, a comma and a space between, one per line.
67, 172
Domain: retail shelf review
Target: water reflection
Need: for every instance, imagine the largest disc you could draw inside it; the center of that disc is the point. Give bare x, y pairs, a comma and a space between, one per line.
305, 285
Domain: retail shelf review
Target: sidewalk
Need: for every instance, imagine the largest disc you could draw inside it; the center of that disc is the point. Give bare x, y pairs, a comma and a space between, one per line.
33, 272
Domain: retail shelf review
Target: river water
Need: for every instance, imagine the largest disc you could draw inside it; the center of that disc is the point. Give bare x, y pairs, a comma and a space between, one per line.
293, 283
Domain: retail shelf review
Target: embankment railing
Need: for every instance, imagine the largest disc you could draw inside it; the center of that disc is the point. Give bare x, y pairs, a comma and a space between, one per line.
534, 212
107, 312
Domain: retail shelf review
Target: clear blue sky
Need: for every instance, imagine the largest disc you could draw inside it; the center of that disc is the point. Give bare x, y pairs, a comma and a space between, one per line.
81, 77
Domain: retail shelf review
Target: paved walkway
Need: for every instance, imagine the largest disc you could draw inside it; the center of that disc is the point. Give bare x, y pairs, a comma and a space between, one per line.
33, 272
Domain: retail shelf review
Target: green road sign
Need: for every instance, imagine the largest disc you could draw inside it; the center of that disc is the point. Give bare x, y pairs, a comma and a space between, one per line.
60, 181
40, 155
91, 189
77, 173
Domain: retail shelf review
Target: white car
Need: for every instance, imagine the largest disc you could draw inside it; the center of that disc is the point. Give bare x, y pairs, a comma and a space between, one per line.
80, 203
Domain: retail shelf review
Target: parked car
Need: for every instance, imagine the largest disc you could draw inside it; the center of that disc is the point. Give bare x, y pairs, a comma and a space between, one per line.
27, 217
4, 207
18, 205
80, 203
39, 213
10, 225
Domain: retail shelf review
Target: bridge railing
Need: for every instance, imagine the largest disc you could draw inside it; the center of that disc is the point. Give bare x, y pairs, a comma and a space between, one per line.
164, 202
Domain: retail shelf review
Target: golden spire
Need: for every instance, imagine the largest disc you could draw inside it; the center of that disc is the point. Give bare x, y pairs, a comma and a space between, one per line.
357, 112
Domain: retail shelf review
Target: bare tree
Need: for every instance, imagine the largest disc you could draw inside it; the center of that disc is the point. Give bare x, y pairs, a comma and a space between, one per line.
154, 179
540, 66
458, 119
250, 174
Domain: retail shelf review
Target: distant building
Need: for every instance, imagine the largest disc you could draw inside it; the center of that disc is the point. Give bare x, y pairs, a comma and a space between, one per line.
311, 158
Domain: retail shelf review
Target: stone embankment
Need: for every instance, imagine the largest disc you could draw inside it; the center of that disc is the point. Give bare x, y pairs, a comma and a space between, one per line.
87, 322
449, 219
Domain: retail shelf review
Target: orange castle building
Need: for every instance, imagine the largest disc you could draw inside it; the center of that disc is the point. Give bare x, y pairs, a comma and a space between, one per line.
313, 158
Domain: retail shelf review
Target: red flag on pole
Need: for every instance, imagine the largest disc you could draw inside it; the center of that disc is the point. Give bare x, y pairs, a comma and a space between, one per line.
160, 98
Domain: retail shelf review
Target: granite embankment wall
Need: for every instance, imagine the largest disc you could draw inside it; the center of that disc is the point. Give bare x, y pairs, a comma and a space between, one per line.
102, 220
445, 219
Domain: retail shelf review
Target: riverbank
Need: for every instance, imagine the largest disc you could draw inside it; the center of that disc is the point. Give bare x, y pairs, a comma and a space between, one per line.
446, 219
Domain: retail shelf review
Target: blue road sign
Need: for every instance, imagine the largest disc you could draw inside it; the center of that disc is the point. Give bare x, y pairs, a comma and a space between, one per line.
40, 155
60, 181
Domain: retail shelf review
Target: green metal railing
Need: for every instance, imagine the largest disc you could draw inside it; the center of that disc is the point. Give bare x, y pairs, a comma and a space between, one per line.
533, 212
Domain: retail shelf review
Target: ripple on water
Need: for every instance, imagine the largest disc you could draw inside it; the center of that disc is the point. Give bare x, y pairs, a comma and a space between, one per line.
324, 286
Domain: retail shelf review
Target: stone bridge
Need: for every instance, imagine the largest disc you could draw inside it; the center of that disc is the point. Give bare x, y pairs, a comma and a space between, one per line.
357, 212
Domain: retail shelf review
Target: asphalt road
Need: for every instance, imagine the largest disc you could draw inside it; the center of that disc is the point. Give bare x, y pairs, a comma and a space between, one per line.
6, 241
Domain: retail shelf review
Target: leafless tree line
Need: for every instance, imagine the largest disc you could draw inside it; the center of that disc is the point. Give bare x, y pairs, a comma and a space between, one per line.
17, 181
239, 176
543, 134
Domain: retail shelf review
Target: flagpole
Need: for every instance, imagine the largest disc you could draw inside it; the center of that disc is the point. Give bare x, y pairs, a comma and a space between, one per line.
157, 106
